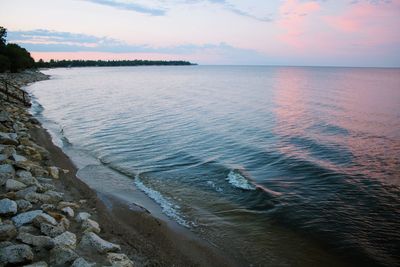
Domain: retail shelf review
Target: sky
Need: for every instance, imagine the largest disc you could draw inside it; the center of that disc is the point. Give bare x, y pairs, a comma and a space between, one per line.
364, 33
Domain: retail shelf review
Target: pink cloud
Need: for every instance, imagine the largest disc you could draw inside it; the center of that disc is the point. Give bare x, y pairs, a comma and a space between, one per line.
294, 16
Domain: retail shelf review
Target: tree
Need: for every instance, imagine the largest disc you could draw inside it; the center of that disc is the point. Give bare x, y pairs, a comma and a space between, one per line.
3, 35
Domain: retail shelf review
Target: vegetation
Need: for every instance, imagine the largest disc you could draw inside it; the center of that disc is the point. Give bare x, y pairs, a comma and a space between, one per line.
13, 57
107, 63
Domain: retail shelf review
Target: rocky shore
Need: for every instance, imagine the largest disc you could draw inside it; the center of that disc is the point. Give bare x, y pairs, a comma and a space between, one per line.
49, 217
40, 224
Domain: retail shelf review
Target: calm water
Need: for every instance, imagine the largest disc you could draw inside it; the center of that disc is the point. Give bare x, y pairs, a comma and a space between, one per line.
278, 166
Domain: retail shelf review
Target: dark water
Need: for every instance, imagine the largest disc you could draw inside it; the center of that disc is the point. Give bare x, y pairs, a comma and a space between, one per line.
277, 166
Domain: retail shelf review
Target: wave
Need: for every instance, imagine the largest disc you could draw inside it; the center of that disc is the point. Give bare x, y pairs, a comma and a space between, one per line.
239, 181
167, 207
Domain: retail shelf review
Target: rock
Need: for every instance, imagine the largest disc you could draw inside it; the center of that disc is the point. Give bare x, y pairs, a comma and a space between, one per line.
18, 158
90, 241
23, 205
8, 139
41, 241
4, 116
54, 172
51, 230
119, 259
14, 185
5, 244
56, 215
16, 254
22, 193
44, 180
64, 204
26, 217
81, 262
55, 196
66, 239
6, 172
82, 216
7, 232
68, 211
8, 207
38, 197
48, 207
46, 187
61, 256
44, 218
26, 178
28, 229
37, 264
90, 226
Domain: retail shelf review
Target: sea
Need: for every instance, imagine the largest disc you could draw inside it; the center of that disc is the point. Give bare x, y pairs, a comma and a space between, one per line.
273, 166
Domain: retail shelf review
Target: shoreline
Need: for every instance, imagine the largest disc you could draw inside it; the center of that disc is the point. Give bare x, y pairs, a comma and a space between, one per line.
146, 240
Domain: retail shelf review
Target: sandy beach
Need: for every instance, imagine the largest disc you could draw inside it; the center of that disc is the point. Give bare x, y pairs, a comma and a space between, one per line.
132, 236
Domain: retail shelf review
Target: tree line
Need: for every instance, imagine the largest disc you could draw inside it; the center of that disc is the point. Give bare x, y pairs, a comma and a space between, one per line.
107, 63
12, 56
15, 58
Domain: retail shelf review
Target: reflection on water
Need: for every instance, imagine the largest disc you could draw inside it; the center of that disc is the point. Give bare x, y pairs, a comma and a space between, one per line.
275, 165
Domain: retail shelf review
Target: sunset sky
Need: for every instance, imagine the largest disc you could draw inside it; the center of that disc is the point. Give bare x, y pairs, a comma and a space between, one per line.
287, 32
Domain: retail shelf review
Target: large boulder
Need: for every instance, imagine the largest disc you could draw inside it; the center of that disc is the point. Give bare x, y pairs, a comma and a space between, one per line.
92, 242
8, 207
16, 254
25, 217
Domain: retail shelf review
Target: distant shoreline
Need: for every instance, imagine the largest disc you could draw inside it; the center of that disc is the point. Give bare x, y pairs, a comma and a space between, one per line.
109, 63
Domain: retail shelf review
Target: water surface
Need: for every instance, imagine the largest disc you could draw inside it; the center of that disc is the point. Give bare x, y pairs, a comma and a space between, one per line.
277, 166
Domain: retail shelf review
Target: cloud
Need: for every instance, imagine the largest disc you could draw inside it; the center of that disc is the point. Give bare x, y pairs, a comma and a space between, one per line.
42, 41
130, 6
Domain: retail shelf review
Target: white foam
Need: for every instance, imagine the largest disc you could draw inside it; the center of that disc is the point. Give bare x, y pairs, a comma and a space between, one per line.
214, 186
237, 180
167, 207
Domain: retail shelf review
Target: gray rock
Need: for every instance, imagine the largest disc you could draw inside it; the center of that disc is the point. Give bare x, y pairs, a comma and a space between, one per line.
4, 116
23, 205
81, 262
44, 218
7, 232
37, 264
28, 229
8, 139
40, 241
44, 180
48, 207
18, 158
16, 254
119, 259
90, 241
61, 256
66, 239
51, 230
26, 217
26, 178
14, 185
6, 172
82, 216
68, 211
22, 193
4, 244
90, 226
55, 196
46, 187
8, 207
38, 197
